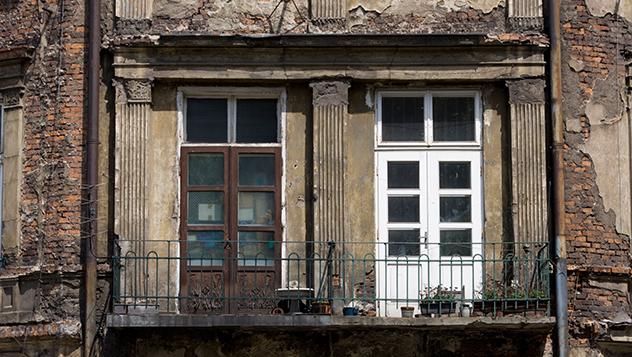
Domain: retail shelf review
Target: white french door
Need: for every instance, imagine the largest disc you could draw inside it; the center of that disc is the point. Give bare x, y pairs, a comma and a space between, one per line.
429, 225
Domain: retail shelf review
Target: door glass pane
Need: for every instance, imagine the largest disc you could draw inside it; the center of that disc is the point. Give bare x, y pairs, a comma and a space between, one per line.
453, 119
256, 170
403, 242
206, 169
205, 208
455, 209
207, 120
402, 119
256, 248
256, 208
257, 121
456, 242
403, 174
205, 247
454, 175
403, 209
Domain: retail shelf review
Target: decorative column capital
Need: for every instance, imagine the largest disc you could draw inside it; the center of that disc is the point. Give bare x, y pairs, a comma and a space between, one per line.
330, 92
526, 91
11, 97
133, 90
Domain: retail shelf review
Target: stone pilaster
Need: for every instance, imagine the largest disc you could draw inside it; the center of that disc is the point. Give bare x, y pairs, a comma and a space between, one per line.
528, 160
133, 114
11, 158
134, 9
329, 9
330, 103
524, 14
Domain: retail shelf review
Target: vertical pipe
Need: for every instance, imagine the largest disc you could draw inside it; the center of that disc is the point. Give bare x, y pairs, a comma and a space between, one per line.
90, 262
557, 121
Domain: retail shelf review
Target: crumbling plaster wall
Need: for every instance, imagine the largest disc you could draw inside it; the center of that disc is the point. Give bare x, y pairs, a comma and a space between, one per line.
282, 17
596, 45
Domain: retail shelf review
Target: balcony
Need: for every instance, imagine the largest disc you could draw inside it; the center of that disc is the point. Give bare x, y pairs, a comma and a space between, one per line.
298, 283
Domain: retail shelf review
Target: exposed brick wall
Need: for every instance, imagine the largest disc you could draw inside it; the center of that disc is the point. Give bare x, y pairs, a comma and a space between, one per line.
598, 254
53, 114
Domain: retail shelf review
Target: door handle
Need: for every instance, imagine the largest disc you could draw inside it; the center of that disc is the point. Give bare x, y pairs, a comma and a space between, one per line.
425, 238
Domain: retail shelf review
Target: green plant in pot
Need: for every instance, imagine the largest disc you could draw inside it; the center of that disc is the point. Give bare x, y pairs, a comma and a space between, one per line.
438, 301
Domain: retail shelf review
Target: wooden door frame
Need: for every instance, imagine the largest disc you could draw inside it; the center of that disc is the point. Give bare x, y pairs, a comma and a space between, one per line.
231, 189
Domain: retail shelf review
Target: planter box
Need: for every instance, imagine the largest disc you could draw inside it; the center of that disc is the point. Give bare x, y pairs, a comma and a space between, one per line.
487, 306
437, 308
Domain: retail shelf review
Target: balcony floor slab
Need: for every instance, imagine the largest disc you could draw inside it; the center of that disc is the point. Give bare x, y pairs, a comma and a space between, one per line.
285, 322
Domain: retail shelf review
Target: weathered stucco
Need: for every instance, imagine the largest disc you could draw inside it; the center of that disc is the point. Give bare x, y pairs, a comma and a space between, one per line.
404, 7
603, 7
608, 145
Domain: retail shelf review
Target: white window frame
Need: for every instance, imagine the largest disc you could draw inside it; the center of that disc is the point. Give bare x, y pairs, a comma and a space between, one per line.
428, 119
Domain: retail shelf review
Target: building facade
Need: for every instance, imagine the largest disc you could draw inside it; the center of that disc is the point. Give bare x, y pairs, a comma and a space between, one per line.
267, 167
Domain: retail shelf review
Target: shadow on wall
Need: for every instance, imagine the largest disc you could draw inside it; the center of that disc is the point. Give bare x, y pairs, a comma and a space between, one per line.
235, 342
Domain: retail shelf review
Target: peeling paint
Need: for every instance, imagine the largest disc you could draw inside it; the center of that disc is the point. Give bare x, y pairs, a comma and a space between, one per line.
608, 146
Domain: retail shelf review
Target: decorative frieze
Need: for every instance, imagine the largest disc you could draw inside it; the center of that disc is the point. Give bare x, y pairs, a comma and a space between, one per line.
330, 101
528, 160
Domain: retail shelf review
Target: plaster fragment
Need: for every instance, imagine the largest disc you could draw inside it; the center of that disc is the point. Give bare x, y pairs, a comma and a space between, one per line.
176, 9
486, 6
576, 65
609, 285
369, 5
573, 125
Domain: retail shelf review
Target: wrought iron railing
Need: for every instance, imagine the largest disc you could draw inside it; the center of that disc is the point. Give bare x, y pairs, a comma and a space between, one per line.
373, 279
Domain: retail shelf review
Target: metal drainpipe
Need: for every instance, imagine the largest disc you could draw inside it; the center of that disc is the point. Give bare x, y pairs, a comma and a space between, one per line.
90, 261
559, 227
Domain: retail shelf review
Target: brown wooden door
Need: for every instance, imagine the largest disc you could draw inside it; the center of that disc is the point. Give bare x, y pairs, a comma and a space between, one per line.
230, 229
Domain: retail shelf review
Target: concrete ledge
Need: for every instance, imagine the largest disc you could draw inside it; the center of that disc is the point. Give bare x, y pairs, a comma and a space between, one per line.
533, 324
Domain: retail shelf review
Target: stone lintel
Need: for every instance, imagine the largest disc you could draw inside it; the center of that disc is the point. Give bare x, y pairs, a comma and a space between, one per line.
526, 91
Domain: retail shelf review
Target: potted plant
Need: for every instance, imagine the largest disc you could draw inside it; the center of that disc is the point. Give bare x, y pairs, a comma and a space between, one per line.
513, 297
438, 301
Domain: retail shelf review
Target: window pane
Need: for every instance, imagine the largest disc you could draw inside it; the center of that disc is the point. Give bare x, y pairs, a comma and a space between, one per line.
454, 175
455, 209
402, 119
403, 209
256, 208
205, 247
256, 170
206, 169
456, 242
205, 208
403, 174
257, 121
403, 242
207, 120
453, 119
256, 248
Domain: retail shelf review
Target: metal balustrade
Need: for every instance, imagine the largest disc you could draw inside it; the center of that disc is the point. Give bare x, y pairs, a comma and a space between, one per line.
371, 279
